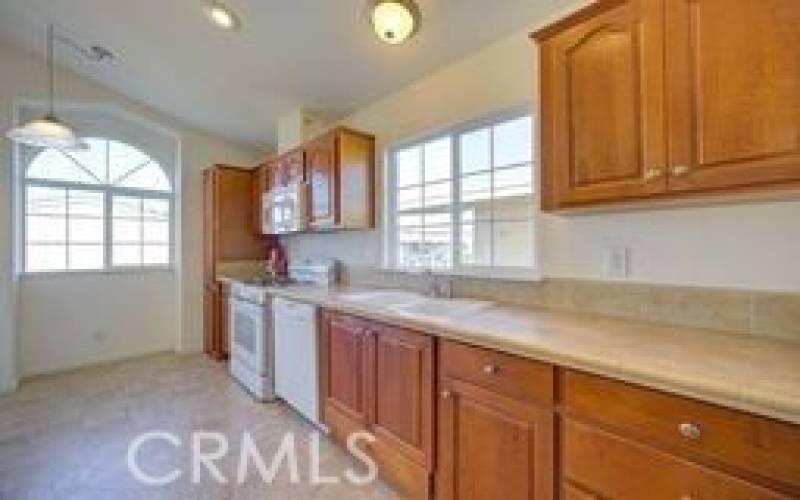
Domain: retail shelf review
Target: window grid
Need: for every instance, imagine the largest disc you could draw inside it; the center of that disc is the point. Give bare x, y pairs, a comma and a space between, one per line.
105, 214
457, 222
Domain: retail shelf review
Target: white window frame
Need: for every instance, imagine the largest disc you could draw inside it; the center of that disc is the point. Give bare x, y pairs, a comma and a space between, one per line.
531, 273
109, 191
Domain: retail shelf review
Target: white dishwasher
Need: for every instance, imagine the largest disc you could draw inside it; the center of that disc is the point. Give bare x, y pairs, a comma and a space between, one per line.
297, 356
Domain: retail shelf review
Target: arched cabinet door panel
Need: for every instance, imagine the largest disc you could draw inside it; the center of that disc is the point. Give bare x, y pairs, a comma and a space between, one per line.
603, 107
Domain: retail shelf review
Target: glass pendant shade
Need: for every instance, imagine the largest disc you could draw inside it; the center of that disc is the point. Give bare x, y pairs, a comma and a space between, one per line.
46, 132
395, 21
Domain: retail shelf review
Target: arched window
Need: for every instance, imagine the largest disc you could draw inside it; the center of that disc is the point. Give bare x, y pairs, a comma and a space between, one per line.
107, 207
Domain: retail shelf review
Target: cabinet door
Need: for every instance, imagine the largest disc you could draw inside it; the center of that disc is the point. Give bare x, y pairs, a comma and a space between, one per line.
215, 317
355, 195
260, 186
321, 168
223, 323
491, 446
733, 92
277, 174
209, 319
602, 92
348, 351
403, 415
295, 166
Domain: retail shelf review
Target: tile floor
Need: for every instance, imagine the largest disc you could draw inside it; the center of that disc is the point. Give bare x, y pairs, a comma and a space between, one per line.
66, 436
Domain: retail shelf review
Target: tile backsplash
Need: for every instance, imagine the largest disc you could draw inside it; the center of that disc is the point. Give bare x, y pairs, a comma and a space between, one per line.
768, 314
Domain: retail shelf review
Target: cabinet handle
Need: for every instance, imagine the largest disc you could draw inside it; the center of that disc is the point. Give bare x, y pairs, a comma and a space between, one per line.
680, 171
490, 369
653, 174
446, 394
689, 430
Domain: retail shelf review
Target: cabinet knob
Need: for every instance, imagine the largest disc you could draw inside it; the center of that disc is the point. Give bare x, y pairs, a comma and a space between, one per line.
446, 394
680, 171
490, 369
689, 430
652, 174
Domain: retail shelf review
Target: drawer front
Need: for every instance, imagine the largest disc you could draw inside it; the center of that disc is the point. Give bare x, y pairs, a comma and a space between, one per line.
597, 464
757, 445
511, 376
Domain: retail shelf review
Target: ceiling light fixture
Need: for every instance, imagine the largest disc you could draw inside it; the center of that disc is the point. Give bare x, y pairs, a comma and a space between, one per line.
395, 21
221, 15
48, 131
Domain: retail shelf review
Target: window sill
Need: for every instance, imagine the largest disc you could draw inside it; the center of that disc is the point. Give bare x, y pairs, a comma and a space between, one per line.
127, 271
499, 274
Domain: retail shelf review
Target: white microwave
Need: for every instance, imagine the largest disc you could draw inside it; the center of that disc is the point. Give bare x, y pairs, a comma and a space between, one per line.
285, 209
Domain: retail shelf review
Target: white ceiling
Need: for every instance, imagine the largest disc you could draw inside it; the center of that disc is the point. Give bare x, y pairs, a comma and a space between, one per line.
315, 54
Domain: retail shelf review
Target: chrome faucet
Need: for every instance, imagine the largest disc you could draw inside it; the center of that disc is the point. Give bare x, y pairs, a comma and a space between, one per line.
438, 287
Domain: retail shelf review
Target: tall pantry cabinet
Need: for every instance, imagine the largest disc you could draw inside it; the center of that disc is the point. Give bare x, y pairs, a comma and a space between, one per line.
229, 235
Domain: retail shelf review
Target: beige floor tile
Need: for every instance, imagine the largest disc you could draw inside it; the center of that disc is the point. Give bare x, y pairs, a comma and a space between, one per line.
66, 436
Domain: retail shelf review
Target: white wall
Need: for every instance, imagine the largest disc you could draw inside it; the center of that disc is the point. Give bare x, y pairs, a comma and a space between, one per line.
73, 320
747, 246
49, 302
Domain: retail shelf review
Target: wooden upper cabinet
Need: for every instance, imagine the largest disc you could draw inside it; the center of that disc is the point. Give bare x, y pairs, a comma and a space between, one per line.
651, 99
339, 168
602, 106
229, 218
294, 166
341, 176
276, 176
734, 92
321, 163
260, 187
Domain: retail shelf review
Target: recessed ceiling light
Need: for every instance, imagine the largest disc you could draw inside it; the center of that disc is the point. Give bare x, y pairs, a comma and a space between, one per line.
395, 21
221, 15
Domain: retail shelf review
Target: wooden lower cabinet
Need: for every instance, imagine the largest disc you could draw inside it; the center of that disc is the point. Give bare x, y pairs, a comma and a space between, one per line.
347, 380
403, 421
380, 379
457, 422
600, 465
491, 446
495, 426
216, 339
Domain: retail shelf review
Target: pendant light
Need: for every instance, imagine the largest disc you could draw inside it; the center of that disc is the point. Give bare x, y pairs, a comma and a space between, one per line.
394, 21
47, 131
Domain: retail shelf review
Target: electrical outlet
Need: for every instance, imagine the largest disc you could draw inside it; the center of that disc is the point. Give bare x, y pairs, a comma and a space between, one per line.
99, 337
617, 262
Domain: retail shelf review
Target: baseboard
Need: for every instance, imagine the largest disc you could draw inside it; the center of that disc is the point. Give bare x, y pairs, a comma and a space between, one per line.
111, 360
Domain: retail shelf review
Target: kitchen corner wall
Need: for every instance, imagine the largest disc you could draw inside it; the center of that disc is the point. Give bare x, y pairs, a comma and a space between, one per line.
52, 323
745, 246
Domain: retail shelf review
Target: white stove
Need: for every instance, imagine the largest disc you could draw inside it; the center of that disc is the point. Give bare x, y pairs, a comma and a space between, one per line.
254, 346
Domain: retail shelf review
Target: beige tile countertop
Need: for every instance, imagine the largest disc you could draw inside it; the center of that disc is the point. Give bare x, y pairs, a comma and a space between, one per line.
755, 375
